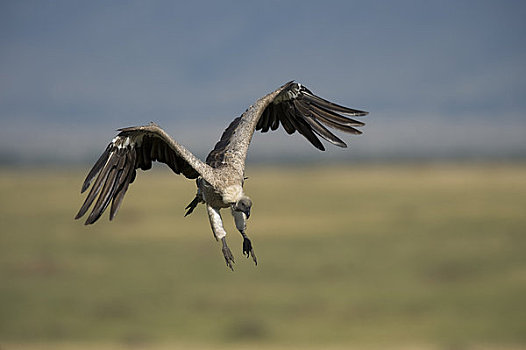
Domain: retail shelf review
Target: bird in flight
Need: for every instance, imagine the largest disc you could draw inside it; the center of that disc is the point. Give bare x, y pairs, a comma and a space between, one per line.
220, 178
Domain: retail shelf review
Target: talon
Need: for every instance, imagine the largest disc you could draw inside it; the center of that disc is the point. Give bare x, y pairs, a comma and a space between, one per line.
227, 253
247, 246
229, 258
248, 250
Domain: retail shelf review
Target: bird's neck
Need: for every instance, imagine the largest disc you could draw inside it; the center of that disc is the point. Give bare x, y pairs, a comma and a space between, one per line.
232, 194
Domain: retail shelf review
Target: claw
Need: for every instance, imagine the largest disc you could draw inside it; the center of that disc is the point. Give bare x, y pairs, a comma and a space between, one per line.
248, 250
227, 253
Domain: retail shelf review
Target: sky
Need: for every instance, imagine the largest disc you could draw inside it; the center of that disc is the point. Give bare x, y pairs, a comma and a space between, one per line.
439, 78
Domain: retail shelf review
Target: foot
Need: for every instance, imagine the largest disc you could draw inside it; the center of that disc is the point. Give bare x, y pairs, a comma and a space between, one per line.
248, 250
229, 257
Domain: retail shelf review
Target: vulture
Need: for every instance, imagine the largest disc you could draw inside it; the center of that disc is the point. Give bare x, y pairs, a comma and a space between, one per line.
220, 178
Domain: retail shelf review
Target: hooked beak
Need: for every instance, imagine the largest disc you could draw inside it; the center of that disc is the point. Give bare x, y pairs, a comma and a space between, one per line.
247, 213
239, 210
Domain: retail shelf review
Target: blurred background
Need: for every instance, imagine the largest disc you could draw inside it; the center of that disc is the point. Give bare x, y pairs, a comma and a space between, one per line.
412, 237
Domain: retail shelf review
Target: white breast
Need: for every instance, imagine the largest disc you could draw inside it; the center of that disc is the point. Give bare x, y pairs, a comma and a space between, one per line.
232, 194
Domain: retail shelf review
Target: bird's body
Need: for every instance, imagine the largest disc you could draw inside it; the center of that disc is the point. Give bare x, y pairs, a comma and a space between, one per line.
220, 179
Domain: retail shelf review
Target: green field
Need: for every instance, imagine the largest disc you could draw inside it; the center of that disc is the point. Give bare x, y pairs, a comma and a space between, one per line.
371, 256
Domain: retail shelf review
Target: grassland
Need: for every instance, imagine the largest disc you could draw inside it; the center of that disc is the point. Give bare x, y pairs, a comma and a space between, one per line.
421, 256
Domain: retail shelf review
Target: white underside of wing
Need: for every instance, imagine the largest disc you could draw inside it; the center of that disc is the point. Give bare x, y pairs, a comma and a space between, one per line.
123, 142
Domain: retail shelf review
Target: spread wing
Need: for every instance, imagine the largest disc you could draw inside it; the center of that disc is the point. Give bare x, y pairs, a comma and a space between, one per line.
294, 107
134, 148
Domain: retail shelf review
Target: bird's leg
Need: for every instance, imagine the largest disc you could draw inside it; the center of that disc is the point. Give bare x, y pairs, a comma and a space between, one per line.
219, 233
241, 224
229, 258
247, 248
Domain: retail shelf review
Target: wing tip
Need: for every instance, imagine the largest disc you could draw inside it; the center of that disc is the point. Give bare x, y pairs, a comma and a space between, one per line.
357, 113
88, 222
342, 145
85, 186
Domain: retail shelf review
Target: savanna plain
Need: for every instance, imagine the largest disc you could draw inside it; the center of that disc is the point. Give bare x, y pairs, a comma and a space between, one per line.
415, 256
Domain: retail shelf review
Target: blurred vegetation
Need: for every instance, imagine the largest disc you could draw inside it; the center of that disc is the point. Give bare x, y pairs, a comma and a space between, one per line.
388, 256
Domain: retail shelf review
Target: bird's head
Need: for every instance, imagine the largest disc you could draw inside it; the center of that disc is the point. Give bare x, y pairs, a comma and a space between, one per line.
244, 204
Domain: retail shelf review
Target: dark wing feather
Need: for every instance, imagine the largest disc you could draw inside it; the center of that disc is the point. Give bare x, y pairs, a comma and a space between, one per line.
133, 148
286, 118
126, 177
300, 124
265, 120
96, 168
294, 107
300, 107
317, 127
